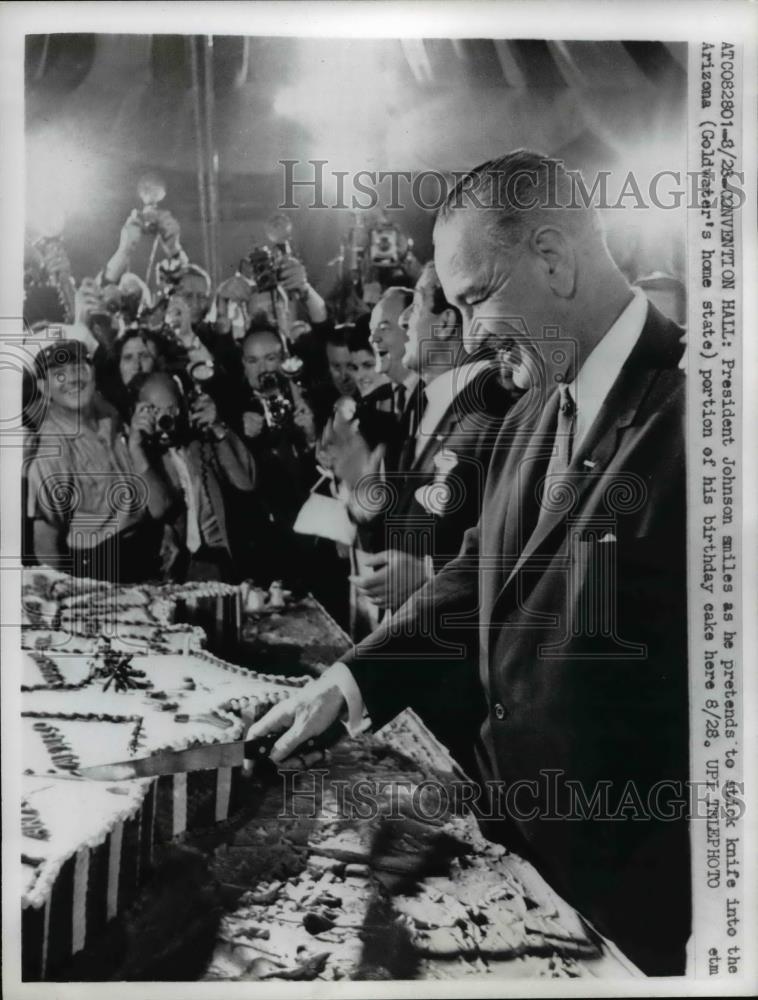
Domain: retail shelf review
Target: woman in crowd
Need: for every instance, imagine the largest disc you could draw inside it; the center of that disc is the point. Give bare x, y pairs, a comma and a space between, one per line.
134, 353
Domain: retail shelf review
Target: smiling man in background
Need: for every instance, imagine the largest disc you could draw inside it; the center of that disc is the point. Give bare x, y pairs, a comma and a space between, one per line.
388, 340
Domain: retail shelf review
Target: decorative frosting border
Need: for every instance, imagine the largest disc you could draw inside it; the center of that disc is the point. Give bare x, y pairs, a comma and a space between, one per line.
161, 602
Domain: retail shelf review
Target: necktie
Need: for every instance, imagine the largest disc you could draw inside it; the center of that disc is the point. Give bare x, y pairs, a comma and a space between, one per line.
564, 432
561, 457
400, 393
410, 424
179, 462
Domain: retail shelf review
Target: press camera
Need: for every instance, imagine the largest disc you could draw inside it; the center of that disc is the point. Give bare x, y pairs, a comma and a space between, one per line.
279, 393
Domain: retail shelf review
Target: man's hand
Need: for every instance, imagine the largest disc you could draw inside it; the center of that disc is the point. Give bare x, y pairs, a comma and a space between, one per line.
396, 576
306, 714
55, 258
178, 319
203, 413
88, 300
292, 275
169, 231
235, 289
131, 233
304, 419
252, 424
142, 425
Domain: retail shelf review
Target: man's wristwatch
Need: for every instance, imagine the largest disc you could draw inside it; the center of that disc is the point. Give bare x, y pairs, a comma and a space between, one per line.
220, 431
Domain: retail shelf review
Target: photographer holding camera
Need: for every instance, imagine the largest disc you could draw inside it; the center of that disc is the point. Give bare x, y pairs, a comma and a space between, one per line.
205, 466
280, 431
277, 417
188, 348
273, 282
140, 222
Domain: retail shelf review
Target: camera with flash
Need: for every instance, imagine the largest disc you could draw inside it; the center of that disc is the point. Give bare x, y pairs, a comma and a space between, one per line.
385, 249
151, 190
264, 268
277, 393
266, 261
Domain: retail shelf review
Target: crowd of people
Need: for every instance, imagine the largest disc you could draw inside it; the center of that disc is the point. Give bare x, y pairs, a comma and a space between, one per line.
186, 432
480, 472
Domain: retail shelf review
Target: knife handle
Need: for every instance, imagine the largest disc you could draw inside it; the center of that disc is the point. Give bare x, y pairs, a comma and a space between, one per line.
260, 749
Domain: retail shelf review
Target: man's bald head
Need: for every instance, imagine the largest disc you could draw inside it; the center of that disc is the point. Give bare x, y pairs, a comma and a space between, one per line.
262, 352
160, 390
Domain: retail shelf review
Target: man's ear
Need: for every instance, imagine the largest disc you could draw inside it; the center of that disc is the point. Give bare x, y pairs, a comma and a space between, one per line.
446, 324
557, 257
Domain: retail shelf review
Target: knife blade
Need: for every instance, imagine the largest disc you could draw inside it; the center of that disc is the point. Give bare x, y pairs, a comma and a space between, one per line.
204, 757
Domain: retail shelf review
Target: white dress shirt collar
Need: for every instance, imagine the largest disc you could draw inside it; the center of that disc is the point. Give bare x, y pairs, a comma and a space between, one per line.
410, 382
601, 369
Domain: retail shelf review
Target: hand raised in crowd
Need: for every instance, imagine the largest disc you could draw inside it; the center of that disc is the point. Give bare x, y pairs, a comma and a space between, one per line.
112, 298
203, 412
304, 419
142, 426
178, 319
252, 424
131, 232
169, 231
238, 291
396, 575
54, 258
234, 289
87, 300
292, 275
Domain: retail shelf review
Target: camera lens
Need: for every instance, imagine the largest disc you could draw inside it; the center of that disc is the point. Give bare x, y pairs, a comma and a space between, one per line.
165, 423
269, 382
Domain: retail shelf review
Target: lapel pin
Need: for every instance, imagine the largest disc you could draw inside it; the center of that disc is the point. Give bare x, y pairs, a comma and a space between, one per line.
589, 464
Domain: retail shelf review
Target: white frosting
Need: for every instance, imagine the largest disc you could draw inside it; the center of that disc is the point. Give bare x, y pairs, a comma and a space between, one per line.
123, 597
98, 810
100, 807
31, 675
79, 814
129, 638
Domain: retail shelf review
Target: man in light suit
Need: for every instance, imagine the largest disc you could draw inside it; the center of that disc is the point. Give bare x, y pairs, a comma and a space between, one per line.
574, 580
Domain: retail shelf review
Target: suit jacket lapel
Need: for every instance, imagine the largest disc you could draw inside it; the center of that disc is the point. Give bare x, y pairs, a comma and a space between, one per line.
602, 441
444, 430
524, 467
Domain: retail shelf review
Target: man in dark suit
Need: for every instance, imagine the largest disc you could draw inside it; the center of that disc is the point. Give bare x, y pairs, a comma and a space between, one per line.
575, 578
